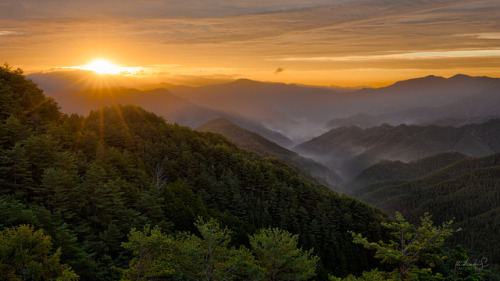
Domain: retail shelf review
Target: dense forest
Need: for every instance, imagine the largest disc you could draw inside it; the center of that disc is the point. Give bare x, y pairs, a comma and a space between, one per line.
387, 170
122, 194
466, 190
87, 181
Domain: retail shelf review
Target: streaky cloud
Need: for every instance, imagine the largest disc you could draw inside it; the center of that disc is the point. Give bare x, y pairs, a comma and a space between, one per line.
485, 35
10, 33
441, 54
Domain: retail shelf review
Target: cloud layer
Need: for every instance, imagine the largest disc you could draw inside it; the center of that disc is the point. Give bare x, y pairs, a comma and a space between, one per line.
249, 37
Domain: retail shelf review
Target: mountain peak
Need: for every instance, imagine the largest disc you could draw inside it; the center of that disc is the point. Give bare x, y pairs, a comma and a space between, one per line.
460, 76
245, 81
418, 81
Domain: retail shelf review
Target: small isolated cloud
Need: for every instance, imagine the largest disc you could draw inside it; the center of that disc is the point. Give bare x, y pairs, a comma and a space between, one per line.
10, 33
279, 70
485, 35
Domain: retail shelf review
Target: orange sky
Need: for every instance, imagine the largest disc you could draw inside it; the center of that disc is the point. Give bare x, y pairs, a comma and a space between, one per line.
320, 42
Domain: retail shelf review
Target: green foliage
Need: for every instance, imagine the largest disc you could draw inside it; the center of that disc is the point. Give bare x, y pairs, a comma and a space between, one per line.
279, 256
151, 254
210, 257
88, 180
182, 206
22, 98
410, 245
13, 212
468, 190
463, 269
373, 275
25, 254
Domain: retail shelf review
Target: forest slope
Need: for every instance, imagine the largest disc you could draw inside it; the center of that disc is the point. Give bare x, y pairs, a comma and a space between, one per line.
386, 170
252, 141
88, 180
467, 190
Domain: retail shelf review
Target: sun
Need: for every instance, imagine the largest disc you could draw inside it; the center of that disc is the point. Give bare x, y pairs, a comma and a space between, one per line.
103, 66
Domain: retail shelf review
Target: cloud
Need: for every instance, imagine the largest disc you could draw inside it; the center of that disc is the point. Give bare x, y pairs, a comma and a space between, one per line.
149, 8
486, 35
10, 33
254, 35
454, 54
417, 55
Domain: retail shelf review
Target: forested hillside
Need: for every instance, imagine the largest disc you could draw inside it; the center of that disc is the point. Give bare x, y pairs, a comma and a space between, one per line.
88, 180
386, 170
467, 190
252, 141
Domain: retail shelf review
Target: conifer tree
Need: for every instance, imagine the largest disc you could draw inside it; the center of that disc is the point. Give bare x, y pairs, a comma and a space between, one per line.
279, 256
409, 245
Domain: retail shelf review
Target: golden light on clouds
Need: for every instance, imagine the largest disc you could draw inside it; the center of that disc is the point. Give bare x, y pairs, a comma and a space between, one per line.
322, 42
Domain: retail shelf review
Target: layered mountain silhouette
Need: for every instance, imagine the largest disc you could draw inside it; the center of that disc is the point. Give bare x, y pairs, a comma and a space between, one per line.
425, 100
404, 121
428, 144
252, 141
75, 95
349, 150
412, 101
299, 111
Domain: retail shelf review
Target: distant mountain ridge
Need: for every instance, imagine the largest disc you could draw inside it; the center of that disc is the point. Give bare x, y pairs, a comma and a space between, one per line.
252, 141
290, 115
299, 111
161, 101
349, 150
425, 100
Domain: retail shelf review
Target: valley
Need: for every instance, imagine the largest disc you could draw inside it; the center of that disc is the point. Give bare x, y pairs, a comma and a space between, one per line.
262, 154
277, 140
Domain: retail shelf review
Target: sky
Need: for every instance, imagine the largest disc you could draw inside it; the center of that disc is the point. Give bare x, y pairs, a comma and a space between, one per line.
317, 42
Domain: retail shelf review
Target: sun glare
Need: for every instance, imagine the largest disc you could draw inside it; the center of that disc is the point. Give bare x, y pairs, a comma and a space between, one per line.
102, 66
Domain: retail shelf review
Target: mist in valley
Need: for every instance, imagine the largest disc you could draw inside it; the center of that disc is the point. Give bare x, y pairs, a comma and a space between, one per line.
345, 131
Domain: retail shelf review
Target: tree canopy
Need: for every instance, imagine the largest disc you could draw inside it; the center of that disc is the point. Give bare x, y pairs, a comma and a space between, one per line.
274, 255
27, 254
88, 180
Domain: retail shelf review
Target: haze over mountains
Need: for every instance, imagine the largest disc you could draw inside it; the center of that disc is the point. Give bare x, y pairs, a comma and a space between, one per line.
303, 111
438, 114
175, 140
349, 150
252, 141
128, 165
